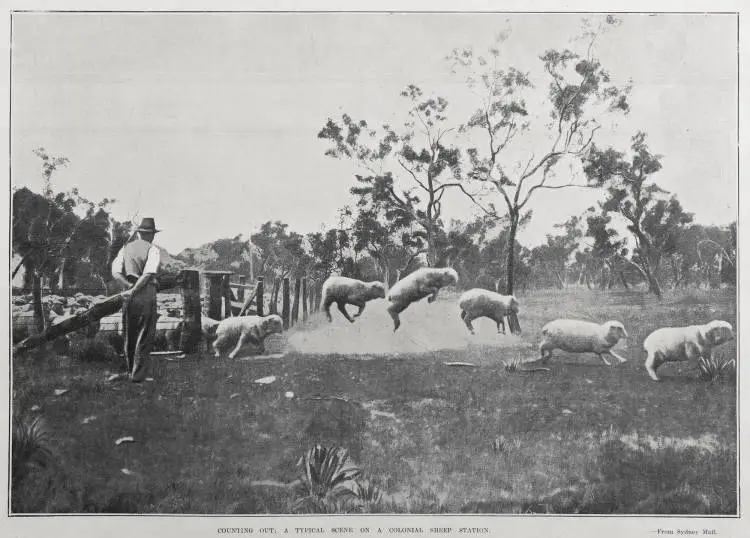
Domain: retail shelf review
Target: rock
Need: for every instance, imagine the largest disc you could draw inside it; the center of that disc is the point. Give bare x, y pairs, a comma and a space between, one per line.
265, 380
127, 439
60, 392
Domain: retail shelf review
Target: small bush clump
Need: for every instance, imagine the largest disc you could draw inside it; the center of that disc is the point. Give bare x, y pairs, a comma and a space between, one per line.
96, 349
713, 368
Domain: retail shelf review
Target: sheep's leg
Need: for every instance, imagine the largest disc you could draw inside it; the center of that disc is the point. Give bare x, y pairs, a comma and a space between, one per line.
218, 343
361, 305
342, 309
433, 291
618, 357
257, 342
394, 311
500, 323
327, 308
652, 363
542, 349
240, 343
467, 321
602, 358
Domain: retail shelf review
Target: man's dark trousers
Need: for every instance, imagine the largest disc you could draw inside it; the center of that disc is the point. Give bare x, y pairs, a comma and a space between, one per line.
139, 327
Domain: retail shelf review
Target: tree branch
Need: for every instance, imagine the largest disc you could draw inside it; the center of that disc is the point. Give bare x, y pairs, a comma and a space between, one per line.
413, 175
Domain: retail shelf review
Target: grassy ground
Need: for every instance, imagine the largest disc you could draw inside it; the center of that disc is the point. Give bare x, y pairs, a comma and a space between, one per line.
580, 438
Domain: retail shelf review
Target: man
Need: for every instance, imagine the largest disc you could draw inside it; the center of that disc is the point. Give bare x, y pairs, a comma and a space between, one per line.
137, 265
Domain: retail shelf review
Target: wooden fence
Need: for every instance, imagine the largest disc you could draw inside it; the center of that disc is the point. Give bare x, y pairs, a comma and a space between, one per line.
224, 299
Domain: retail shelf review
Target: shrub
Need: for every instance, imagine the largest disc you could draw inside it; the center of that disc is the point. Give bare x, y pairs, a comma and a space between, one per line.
30, 452
328, 480
97, 349
714, 368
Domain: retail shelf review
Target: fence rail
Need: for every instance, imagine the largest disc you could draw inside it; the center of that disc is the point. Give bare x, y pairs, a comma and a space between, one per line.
216, 300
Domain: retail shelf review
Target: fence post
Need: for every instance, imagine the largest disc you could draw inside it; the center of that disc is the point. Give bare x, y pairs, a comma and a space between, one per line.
215, 295
241, 290
227, 295
191, 311
304, 299
285, 303
273, 306
259, 296
295, 305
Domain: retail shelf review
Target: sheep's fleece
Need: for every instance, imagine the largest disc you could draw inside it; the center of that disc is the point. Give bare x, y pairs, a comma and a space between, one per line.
477, 303
576, 336
423, 282
343, 291
243, 329
671, 344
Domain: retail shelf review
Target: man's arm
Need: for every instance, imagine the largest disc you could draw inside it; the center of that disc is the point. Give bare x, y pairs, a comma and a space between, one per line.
153, 261
117, 268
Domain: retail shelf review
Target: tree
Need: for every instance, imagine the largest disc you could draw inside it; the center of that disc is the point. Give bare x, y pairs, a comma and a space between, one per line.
51, 238
607, 248
417, 156
654, 221
579, 90
551, 260
328, 251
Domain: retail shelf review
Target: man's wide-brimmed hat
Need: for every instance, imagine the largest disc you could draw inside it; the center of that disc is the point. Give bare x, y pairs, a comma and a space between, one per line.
147, 225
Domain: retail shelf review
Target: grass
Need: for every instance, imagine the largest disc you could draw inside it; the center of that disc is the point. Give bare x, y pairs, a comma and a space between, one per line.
426, 437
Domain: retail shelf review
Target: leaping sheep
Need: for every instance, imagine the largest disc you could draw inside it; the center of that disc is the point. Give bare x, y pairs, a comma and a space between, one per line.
478, 303
243, 329
577, 336
343, 291
423, 282
671, 344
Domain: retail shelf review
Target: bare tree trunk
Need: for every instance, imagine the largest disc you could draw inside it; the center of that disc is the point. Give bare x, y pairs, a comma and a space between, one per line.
624, 280
510, 265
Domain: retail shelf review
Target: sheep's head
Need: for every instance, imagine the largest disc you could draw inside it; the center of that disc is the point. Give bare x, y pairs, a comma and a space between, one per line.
615, 331
377, 290
514, 304
719, 332
449, 277
272, 324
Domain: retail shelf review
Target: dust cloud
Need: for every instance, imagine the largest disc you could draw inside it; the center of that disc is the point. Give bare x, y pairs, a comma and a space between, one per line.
424, 327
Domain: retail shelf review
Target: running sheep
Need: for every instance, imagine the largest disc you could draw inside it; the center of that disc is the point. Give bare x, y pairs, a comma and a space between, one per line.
478, 303
243, 329
676, 344
423, 282
577, 336
343, 291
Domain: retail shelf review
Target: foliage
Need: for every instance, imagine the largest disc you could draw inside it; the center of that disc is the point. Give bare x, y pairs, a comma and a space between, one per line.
409, 170
713, 368
579, 89
61, 236
97, 349
30, 448
328, 477
656, 222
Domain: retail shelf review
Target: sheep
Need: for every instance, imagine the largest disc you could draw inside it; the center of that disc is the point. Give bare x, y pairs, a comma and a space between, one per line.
577, 336
343, 291
246, 328
423, 282
673, 344
476, 303
208, 329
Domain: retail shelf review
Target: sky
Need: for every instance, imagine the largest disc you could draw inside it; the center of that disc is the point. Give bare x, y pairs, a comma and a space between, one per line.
209, 122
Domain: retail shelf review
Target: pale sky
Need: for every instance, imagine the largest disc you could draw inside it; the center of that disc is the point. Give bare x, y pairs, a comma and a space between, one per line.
209, 122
